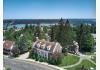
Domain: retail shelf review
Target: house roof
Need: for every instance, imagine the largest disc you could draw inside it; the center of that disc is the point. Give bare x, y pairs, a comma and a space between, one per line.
8, 44
45, 45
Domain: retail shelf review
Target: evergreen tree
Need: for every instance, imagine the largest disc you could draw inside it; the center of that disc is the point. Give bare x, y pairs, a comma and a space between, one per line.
26, 26
93, 28
60, 32
53, 32
65, 34
23, 45
38, 30
85, 38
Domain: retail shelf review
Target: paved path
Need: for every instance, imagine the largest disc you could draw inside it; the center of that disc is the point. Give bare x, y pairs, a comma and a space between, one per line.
92, 61
16, 64
24, 56
87, 57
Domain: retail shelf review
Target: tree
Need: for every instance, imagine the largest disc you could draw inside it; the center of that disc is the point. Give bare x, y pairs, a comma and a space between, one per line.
26, 26
82, 68
55, 58
88, 43
23, 45
60, 32
32, 54
8, 68
9, 34
64, 33
93, 28
85, 38
53, 33
37, 30
45, 29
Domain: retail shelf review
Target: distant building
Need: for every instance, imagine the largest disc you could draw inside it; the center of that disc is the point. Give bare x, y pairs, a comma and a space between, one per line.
89, 24
46, 48
8, 46
74, 48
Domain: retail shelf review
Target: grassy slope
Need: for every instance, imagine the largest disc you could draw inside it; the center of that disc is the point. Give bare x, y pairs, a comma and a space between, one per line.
69, 60
86, 63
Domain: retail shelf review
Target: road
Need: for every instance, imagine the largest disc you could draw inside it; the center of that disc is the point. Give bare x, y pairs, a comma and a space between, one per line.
16, 64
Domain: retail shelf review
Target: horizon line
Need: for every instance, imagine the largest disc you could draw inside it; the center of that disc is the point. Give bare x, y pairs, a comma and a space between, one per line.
45, 18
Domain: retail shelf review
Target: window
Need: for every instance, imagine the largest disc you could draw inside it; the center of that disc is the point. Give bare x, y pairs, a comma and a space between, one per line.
48, 47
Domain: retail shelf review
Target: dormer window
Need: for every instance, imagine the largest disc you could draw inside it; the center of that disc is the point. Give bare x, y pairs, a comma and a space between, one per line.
38, 45
43, 46
48, 47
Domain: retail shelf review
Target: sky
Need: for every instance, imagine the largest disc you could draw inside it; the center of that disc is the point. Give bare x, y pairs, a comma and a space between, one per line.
48, 9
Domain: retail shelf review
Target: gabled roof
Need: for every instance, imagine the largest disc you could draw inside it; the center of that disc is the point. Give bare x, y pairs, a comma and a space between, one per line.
8, 44
45, 45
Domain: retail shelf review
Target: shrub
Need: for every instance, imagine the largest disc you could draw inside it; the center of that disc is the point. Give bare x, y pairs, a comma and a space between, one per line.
55, 59
8, 69
15, 52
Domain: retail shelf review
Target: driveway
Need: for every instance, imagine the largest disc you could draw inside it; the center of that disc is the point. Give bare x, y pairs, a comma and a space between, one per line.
24, 56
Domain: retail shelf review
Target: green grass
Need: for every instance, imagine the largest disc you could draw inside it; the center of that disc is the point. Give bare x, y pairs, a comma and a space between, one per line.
86, 63
69, 60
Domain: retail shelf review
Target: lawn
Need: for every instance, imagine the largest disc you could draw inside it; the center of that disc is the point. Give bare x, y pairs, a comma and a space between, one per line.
69, 60
86, 63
